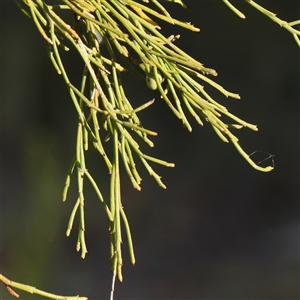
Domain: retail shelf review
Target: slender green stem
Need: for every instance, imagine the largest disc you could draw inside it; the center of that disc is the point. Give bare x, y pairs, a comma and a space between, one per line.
234, 9
33, 290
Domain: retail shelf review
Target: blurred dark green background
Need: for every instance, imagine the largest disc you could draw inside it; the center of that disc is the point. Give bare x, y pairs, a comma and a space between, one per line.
220, 231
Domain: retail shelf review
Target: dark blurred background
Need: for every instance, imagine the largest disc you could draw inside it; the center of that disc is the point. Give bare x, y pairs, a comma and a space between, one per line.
220, 231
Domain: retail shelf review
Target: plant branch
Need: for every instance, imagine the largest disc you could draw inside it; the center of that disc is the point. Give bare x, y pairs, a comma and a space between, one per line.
287, 25
110, 38
32, 290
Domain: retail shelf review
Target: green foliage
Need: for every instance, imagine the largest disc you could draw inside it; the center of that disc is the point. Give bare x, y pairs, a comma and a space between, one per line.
113, 37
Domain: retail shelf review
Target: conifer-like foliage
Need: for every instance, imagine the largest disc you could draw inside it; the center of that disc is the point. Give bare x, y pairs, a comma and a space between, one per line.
113, 37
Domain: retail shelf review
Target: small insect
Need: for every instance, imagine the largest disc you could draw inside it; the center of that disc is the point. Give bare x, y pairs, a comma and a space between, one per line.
12, 292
